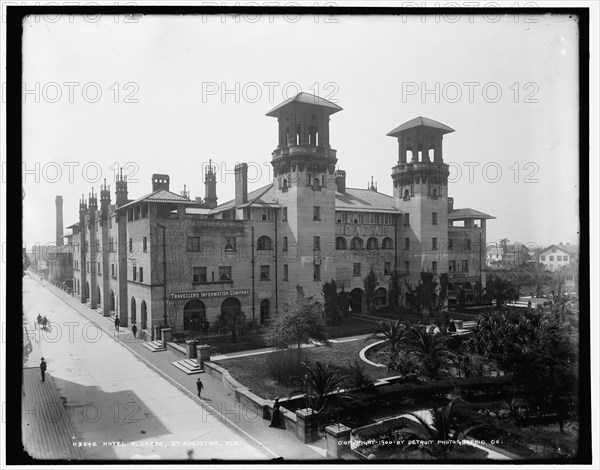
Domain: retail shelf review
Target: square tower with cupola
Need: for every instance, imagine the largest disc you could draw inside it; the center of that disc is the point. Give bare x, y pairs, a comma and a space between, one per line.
304, 187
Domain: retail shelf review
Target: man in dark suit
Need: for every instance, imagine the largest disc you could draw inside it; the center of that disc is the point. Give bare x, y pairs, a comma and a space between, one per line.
43, 369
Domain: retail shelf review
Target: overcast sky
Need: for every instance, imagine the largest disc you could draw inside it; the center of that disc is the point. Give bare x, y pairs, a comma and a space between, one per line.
177, 91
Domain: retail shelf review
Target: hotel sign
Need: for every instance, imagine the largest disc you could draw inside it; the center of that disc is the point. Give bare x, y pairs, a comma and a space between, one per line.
364, 230
210, 293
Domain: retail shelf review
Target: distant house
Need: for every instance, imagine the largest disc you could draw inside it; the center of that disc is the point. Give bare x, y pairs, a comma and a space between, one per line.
556, 256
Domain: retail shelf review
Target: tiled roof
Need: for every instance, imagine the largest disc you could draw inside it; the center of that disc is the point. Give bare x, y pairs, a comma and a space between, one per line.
468, 213
262, 195
418, 122
308, 99
364, 200
160, 196
569, 249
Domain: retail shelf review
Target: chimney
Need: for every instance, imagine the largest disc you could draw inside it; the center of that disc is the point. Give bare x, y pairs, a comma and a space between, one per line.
450, 204
340, 181
241, 184
59, 221
160, 181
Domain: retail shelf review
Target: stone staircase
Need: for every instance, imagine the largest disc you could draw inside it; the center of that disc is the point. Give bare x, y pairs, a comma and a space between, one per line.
189, 366
155, 346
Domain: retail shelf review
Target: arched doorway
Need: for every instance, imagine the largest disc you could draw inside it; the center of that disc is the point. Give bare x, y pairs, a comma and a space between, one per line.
133, 311
265, 311
380, 297
231, 305
193, 314
144, 315
112, 300
356, 300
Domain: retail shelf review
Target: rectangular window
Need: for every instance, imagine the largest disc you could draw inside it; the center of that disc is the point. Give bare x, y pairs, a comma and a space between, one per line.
111, 244
434, 244
316, 243
452, 265
468, 244
198, 274
338, 217
407, 219
141, 274
450, 244
356, 269
316, 213
134, 273
99, 273
112, 270
230, 244
193, 244
265, 274
265, 213
434, 218
129, 215
543, 257
465, 265
387, 268
559, 258
551, 258
407, 243
285, 213
145, 244
434, 266
130, 245
565, 258
224, 273
285, 244
406, 267
285, 272
317, 272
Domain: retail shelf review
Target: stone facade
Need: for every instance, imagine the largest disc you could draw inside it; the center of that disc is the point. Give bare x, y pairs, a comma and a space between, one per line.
303, 229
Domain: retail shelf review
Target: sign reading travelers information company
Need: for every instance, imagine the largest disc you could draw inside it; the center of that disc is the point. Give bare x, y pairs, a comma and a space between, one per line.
210, 293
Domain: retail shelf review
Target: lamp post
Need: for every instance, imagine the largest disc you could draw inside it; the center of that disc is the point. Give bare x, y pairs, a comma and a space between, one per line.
164, 246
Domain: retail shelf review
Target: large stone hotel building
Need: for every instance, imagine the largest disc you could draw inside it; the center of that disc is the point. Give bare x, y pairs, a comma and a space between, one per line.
163, 258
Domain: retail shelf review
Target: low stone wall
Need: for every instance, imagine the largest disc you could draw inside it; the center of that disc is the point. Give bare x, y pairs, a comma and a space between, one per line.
178, 350
248, 399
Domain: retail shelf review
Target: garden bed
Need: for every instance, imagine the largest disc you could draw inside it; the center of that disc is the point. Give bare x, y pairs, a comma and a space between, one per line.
252, 370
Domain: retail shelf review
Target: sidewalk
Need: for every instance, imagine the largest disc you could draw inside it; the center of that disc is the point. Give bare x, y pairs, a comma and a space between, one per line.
217, 400
47, 430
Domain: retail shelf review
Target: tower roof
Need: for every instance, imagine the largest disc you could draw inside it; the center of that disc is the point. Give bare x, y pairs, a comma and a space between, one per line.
420, 122
305, 98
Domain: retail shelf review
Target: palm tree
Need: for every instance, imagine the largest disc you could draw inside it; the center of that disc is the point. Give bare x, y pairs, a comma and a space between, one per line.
539, 273
560, 276
394, 333
430, 350
320, 383
443, 435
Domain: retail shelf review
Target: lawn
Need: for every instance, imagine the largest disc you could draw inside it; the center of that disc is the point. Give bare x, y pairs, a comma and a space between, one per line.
251, 370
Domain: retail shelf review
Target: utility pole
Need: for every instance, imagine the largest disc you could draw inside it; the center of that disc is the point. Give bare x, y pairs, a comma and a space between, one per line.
164, 246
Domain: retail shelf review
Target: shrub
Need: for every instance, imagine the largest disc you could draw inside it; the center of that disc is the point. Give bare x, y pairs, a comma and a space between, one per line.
283, 366
357, 376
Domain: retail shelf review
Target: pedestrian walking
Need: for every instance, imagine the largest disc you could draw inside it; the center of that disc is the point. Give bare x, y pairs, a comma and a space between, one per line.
276, 416
43, 369
134, 330
39, 320
200, 386
117, 323
44, 322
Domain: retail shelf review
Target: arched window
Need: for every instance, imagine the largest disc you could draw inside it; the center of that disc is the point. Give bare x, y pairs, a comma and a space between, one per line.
406, 194
133, 311
285, 183
388, 243
380, 297
265, 311
112, 300
340, 243
372, 243
144, 315
356, 244
194, 312
434, 193
264, 243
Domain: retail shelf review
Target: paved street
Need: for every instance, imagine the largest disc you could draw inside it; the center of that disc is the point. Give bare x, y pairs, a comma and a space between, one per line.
115, 401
